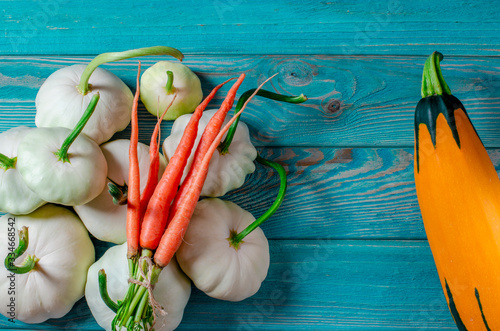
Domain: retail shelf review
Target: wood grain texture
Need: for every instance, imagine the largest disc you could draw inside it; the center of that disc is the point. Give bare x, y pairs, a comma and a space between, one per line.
392, 27
355, 101
320, 285
348, 247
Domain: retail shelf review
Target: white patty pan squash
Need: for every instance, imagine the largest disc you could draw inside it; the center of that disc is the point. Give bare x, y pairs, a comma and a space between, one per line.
15, 196
157, 96
172, 290
215, 267
69, 183
59, 103
226, 171
60, 242
103, 218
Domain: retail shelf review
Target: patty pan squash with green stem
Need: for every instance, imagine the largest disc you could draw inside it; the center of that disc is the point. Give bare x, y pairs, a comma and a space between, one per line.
224, 251
15, 196
165, 79
63, 166
47, 262
61, 99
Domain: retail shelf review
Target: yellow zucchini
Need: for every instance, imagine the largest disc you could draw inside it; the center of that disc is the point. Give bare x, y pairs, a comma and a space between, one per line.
459, 196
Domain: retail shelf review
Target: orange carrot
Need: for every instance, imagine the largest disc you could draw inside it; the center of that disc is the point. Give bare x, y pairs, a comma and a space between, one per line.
154, 164
211, 130
172, 238
134, 189
156, 215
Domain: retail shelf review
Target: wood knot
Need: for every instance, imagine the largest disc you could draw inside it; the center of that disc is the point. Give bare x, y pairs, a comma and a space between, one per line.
333, 106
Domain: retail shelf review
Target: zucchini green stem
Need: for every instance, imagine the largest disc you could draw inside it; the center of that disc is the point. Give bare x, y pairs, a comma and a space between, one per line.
62, 153
83, 86
103, 291
29, 262
433, 82
224, 146
7, 162
170, 82
236, 238
118, 192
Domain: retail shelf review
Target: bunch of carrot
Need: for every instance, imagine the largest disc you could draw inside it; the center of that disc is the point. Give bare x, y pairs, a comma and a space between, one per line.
158, 219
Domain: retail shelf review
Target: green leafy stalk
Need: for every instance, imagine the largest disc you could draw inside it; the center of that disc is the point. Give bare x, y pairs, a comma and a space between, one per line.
433, 82
29, 262
135, 309
62, 153
83, 86
170, 82
103, 291
224, 146
236, 238
7, 162
118, 192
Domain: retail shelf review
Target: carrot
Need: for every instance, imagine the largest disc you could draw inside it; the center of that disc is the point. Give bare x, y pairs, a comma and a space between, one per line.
211, 130
172, 238
156, 215
134, 189
154, 164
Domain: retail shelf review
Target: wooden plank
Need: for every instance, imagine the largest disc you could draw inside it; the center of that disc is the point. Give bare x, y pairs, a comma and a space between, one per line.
241, 27
355, 101
337, 193
320, 285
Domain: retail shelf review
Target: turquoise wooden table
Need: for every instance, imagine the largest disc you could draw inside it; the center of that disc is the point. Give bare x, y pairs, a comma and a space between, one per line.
348, 247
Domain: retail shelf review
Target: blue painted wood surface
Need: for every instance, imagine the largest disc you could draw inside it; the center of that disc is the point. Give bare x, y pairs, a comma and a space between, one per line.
348, 248
393, 27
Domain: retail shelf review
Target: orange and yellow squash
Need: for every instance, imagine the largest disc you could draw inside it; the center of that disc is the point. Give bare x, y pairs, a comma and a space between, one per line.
459, 196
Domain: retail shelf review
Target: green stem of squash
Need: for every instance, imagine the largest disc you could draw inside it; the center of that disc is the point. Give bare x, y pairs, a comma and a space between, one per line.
118, 192
62, 153
29, 262
84, 87
103, 291
169, 87
224, 146
7, 162
237, 238
433, 82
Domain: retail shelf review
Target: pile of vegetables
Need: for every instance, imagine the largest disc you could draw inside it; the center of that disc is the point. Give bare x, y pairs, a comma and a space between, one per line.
67, 177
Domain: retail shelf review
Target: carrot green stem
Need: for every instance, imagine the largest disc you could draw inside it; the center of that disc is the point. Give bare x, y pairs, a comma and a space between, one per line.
84, 87
236, 238
224, 146
170, 82
118, 192
62, 154
142, 306
433, 82
103, 291
29, 262
135, 308
7, 162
